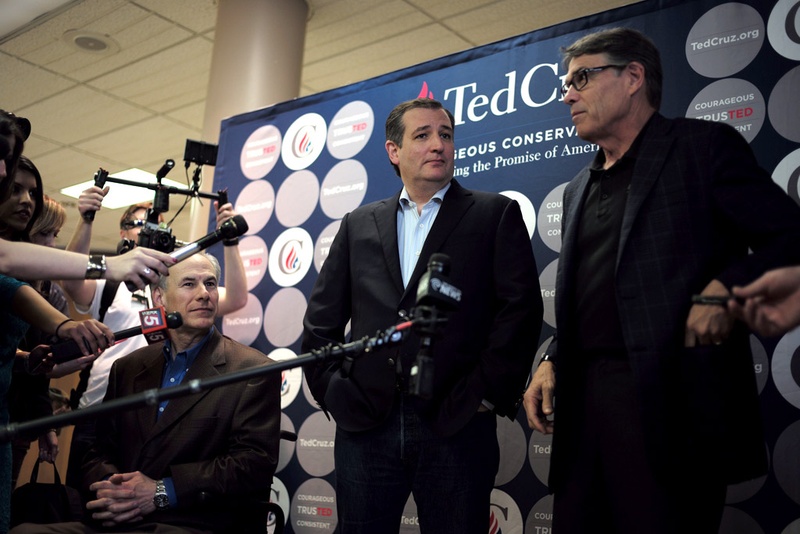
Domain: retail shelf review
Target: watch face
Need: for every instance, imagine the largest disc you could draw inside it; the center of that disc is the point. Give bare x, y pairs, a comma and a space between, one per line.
161, 501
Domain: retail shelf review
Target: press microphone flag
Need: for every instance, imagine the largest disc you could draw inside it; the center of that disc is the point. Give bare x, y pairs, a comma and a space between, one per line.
155, 323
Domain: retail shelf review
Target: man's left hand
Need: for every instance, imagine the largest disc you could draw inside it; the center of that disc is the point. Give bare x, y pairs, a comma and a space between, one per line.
709, 324
123, 498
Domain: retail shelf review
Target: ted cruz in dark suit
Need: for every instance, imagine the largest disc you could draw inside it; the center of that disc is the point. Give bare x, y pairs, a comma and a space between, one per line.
655, 397
390, 443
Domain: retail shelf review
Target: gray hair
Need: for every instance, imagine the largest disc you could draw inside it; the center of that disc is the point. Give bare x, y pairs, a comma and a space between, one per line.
162, 280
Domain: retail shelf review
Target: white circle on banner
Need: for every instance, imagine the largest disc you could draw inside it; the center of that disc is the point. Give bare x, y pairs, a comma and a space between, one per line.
343, 188
787, 175
760, 362
286, 451
291, 257
786, 367
786, 461
291, 379
527, 209
297, 198
504, 514
279, 495
547, 284
260, 152
539, 448
313, 508
784, 113
732, 101
350, 129
324, 241
283, 316
256, 203
725, 40
315, 441
783, 28
255, 259
540, 518
304, 141
244, 324
511, 440
550, 218
409, 521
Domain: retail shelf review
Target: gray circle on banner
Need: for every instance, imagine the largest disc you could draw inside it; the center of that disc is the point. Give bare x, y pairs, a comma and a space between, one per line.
786, 461
297, 198
760, 362
283, 317
732, 101
313, 508
725, 40
504, 514
314, 447
735, 521
323, 245
260, 152
286, 451
255, 259
244, 324
255, 203
784, 113
783, 28
279, 495
547, 282
786, 367
742, 491
787, 175
350, 129
550, 218
409, 521
343, 188
511, 439
527, 209
540, 518
539, 448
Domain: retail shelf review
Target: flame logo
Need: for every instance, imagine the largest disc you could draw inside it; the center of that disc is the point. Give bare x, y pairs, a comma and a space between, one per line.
303, 145
424, 92
494, 524
284, 383
290, 257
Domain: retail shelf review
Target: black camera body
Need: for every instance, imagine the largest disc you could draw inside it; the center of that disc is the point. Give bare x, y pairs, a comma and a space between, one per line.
157, 236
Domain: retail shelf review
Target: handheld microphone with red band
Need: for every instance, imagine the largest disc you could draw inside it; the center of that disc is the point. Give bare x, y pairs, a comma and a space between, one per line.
155, 323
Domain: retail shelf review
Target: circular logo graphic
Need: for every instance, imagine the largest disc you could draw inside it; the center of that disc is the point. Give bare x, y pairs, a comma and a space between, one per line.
313, 508
511, 439
253, 252
539, 448
305, 140
409, 521
324, 241
527, 209
786, 367
783, 28
760, 362
787, 175
744, 490
725, 40
286, 448
550, 218
315, 441
350, 130
283, 318
260, 152
291, 257
504, 514
297, 198
244, 324
540, 518
280, 495
255, 203
547, 283
343, 188
786, 461
290, 378
784, 113
735, 102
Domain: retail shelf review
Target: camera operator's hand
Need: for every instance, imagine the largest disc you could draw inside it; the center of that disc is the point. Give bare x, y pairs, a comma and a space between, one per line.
224, 212
141, 266
91, 199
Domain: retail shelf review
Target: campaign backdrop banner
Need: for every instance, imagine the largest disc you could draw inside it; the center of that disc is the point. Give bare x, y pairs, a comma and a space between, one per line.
295, 169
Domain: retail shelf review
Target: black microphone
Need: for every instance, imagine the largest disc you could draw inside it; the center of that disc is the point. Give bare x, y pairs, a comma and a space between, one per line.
165, 168
436, 295
232, 228
100, 181
155, 324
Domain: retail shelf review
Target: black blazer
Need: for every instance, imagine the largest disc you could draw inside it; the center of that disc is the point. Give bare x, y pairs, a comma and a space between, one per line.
486, 349
697, 202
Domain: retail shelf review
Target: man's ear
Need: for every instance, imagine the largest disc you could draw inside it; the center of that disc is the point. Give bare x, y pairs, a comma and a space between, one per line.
636, 75
158, 297
391, 149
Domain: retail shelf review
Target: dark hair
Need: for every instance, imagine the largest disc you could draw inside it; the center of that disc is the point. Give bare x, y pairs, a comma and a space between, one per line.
10, 127
128, 215
26, 165
396, 128
622, 46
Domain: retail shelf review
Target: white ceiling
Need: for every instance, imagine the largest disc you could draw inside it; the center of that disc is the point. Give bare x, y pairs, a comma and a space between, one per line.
137, 106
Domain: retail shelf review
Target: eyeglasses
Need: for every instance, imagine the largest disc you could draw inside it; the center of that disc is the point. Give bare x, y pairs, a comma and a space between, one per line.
130, 225
581, 78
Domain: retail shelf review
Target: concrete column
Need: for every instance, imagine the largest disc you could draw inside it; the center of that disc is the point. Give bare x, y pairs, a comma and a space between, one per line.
256, 62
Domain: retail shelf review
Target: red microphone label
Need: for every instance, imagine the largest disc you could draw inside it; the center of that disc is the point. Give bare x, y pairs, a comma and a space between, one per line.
154, 325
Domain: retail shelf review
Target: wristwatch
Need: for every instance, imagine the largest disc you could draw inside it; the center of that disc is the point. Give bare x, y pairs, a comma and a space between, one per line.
160, 499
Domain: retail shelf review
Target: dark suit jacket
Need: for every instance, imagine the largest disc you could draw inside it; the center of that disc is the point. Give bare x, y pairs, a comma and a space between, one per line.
220, 446
486, 348
697, 201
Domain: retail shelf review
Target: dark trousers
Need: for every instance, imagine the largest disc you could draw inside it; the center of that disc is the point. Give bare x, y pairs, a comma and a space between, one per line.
612, 487
83, 437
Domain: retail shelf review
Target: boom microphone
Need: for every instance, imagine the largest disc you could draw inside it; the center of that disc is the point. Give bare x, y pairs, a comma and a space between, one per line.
154, 327
233, 227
